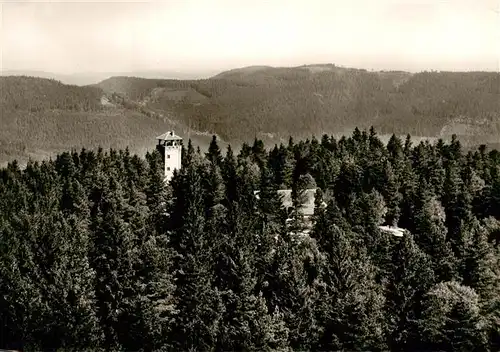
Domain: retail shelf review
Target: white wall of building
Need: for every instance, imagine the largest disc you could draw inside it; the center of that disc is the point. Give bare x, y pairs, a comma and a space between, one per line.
173, 158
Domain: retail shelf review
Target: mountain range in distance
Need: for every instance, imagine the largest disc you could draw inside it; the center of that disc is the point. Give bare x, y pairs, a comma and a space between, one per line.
42, 113
84, 79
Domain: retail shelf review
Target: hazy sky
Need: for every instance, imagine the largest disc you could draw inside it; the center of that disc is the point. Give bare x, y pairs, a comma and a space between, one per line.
199, 35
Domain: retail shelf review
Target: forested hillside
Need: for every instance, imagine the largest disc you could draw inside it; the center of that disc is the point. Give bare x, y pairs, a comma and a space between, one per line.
97, 253
40, 117
317, 99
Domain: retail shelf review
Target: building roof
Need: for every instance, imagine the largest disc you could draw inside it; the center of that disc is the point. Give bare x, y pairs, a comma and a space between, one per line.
169, 136
307, 200
307, 208
396, 231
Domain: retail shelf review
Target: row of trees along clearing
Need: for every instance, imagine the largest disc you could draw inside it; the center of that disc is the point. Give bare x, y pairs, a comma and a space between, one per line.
96, 252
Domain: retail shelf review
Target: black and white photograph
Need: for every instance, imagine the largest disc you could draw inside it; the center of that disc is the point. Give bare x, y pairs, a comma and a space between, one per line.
250, 175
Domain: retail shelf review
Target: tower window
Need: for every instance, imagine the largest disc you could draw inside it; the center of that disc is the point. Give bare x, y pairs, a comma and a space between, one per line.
168, 156
168, 168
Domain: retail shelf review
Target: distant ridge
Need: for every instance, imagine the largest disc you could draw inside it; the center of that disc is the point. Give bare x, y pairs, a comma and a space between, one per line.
247, 70
262, 69
76, 79
83, 79
326, 98
40, 116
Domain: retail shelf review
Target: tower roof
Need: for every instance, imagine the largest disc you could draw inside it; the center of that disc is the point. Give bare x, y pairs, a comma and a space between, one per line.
169, 136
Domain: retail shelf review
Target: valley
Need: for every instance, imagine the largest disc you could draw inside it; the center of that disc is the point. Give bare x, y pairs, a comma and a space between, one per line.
41, 117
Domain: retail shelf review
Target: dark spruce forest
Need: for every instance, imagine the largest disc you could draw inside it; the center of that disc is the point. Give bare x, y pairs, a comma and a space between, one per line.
98, 253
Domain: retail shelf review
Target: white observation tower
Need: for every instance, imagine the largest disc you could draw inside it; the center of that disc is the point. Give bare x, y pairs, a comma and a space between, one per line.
170, 147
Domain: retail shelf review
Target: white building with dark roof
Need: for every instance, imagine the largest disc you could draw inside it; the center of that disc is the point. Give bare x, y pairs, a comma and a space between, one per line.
307, 207
307, 198
170, 147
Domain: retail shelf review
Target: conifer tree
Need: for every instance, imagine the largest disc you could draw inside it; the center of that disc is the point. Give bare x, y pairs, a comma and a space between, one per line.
375, 144
283, 165
348, 182
213, 185
478, 265
247, 322
187, 154
248, 176
73, 198
21, 295
408, 188
451, 319
72, 322
198, 303
395, 149
292, 279
269, 206
297, 221
392, 196
457, 203
490, 200
480, 269
113, 257
53, 287
351, 310
409, 277
214, 154
230, 177
259, 153
436, 175
151, 310
324, 218
408, 145
430, 235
